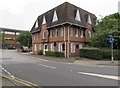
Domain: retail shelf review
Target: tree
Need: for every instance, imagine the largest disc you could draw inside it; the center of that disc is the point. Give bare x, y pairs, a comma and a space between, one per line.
109, 25
25, 39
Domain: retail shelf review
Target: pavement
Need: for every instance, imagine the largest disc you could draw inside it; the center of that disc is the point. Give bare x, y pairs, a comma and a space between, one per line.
78, 60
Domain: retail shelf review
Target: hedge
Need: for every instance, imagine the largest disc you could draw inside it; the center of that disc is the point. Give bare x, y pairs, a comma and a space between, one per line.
99, 54
40, 52
51, 53
58, 54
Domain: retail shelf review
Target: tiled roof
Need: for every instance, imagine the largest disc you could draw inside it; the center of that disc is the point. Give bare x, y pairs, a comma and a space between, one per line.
66, 13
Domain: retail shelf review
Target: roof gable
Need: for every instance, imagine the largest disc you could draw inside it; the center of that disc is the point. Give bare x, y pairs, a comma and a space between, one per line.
44, 21
89, 20
36, 24
55, 17
77, 17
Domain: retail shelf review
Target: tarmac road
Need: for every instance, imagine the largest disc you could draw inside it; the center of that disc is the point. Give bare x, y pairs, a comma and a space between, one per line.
49, 73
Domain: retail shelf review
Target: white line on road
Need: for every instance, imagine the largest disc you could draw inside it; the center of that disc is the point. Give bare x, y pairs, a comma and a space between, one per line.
46, 66
101, 75
7, 72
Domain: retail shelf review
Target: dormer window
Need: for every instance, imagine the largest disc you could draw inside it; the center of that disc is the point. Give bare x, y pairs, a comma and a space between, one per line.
44, 21
55, 17
89, 20
77, 17
36, 24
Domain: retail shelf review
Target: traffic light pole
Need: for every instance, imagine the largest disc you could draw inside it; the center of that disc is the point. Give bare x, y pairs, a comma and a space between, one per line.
112, 53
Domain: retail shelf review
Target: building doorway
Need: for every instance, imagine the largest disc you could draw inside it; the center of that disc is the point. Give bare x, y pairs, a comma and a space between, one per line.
45, 48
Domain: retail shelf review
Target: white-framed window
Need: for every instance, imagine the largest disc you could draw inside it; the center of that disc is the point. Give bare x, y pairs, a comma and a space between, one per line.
55, 17
81, 33
44, 21
89, 34
77, 17
44, 35
9, 32
76, 32
60, 47
35, 47
71, 31
40, 46
33, 36
51, 33
89, 20
17, 33
7, 38
52, 47
56, 32
61, 31
80, 46
72, 48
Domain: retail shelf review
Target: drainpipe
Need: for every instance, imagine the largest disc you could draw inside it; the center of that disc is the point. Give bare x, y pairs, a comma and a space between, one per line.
68, 50
64, 39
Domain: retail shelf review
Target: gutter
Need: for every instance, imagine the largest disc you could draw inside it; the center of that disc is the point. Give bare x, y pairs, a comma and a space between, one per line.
69, 40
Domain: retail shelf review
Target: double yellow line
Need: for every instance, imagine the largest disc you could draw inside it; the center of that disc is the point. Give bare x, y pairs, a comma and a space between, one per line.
24, 82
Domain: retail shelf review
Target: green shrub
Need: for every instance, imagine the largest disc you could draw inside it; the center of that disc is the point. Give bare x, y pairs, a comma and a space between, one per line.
40, 52
52, 53
49, 53
46, 53
98, 54
58, 54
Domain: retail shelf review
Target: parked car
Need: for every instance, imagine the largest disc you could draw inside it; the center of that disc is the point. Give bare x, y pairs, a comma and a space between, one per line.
8, 46
25, 49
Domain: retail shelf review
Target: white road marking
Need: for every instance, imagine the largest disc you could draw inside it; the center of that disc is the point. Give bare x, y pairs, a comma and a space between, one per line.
46, 66
7, 72
70, 70
101, 75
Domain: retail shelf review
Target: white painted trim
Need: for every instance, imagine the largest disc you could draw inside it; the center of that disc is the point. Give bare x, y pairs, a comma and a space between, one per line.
66, 23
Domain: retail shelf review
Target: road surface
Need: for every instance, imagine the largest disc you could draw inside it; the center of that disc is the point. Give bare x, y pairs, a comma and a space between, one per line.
49, 73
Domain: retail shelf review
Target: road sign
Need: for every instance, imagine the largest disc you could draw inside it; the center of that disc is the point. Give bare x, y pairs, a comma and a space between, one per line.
111, 39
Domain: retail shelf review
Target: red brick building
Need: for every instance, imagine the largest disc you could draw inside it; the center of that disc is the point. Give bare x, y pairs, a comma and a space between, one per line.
66, 28
8, 37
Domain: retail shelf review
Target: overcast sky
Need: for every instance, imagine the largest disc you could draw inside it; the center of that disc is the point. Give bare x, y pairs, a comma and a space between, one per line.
21, 14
